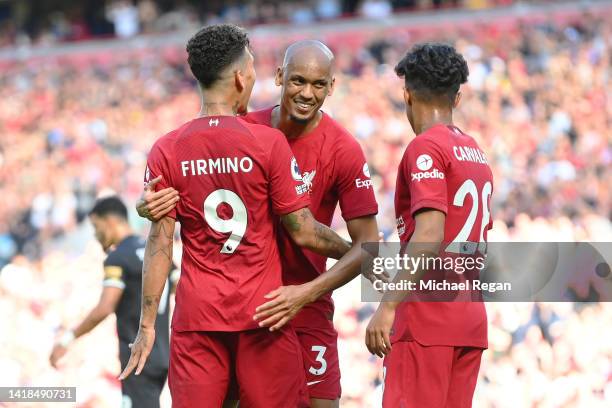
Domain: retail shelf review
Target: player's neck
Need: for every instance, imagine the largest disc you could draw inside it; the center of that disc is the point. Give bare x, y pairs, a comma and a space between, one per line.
430, 118
120, 233
216, 106
282, 121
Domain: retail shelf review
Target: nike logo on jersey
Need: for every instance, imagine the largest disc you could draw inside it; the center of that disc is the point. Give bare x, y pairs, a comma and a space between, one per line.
314, 382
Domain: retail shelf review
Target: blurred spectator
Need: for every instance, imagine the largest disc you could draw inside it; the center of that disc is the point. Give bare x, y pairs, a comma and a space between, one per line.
32, 21
376, 8
125, 18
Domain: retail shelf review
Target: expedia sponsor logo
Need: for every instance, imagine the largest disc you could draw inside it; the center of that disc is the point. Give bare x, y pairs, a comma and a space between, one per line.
434, 174
367, 183
424, 162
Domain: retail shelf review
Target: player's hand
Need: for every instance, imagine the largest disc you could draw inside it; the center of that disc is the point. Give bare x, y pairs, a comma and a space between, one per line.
377, 339
369, 272
154, 205
373, 277
285, 302
141, 348
57, 353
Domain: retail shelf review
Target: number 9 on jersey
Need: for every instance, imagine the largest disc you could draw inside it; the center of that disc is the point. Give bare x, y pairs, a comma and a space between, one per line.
236, 225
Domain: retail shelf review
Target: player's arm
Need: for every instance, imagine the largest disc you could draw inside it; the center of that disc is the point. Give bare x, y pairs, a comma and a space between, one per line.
109, 299
309, 233
153, 205
286, 301
425, 241
156, 267
361, 230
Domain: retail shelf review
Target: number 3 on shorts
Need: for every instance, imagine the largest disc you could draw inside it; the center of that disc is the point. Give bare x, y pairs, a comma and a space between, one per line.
236, 225
321, 370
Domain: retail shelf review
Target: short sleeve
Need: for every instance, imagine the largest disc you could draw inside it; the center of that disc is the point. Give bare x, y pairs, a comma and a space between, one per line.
353, 182
285, 180
424, 167
157, 164
113, 273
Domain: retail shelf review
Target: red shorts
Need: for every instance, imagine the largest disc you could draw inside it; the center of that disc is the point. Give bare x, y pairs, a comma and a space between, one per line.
430, 376
265, 366
320, 354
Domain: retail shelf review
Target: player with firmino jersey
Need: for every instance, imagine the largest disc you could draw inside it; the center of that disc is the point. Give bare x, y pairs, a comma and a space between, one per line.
231, 260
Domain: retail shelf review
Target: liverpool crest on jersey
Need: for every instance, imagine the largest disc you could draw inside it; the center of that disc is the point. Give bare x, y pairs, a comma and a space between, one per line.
307, 178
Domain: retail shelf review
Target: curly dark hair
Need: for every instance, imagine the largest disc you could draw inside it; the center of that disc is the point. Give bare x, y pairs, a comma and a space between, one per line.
433, 70
214, 48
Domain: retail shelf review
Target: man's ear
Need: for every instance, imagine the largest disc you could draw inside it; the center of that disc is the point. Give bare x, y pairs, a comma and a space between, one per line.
239, 80
278, 78
457, 99
332, 86
407, 97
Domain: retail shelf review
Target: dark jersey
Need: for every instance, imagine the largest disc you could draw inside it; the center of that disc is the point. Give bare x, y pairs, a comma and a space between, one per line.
123, 269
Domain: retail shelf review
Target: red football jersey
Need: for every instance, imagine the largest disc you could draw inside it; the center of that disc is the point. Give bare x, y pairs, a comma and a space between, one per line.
232, 177
334, 170
444, 169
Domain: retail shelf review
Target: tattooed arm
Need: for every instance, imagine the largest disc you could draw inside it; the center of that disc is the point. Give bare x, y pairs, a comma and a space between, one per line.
157, 264
311, 234
156, 267
286, 301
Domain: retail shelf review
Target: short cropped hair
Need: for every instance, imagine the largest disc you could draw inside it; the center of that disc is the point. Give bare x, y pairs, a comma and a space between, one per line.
214, 48
109, 206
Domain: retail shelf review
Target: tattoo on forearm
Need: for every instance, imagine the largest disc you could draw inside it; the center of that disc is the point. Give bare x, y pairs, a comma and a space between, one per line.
160, 239
150, 302
329, 241
291, 222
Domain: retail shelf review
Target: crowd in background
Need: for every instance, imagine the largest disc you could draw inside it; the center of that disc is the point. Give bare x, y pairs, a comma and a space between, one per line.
31, 21
538, 102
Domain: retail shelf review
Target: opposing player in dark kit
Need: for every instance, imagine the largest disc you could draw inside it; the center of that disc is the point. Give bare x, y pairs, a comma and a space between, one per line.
121, 295
433, 349
334, 170
234, 179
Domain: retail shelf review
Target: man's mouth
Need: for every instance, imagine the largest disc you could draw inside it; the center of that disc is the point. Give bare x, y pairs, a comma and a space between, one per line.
302, 106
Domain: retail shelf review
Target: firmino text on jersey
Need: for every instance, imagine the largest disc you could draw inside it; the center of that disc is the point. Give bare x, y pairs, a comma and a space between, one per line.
219, 165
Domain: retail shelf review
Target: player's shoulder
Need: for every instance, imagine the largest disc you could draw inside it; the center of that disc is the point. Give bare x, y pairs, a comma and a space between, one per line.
263, 134
335, 129
440, 137
125, 251
116, 257
339, 135
262, 116
166, 141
